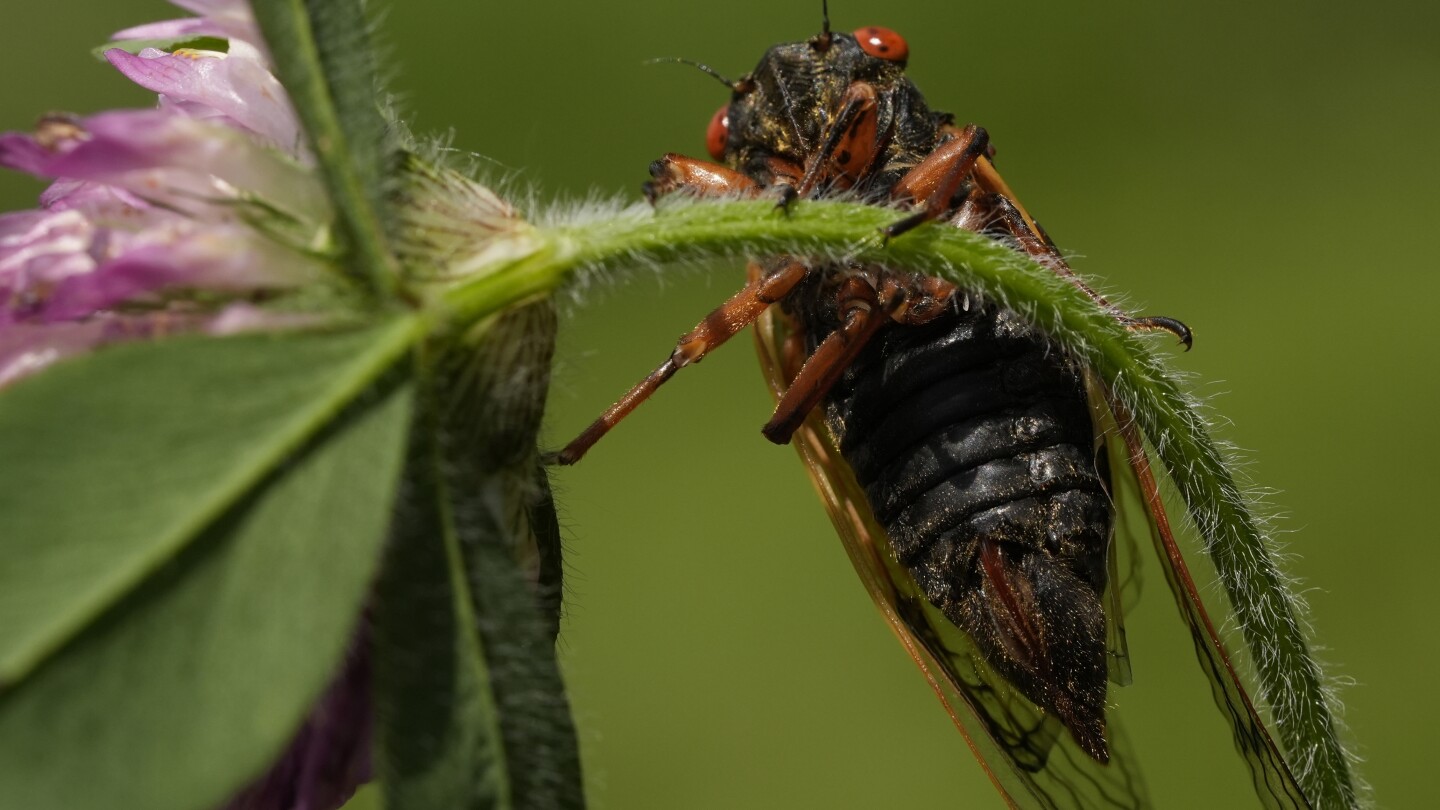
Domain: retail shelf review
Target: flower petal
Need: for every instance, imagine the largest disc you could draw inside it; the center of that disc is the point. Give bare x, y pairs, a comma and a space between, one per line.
178, 162
38, 249
237, 85
192, 217
28, 348
231, 19
170, 29
67, 193
213, 259
25, 349
239, 318
95, 250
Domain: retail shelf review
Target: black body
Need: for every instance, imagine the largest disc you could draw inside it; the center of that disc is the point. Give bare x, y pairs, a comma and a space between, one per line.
971, 434
974, 429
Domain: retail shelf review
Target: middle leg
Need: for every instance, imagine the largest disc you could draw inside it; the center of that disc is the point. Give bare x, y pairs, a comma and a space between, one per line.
764, 289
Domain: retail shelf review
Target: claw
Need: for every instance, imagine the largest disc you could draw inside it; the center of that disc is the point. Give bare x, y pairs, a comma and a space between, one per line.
1162, 324
905, 225
788, 195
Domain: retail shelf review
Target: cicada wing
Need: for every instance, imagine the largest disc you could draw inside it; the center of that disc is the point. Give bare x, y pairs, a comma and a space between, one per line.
1122, 590
1027, 754
1133, 478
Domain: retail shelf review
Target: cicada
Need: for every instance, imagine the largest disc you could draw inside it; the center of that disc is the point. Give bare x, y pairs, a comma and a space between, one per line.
970, 465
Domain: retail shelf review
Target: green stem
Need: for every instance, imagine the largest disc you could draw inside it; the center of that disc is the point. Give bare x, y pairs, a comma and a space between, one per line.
1290, 680
322, 56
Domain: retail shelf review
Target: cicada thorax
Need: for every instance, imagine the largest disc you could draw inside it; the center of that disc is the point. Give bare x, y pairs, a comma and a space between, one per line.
972, 438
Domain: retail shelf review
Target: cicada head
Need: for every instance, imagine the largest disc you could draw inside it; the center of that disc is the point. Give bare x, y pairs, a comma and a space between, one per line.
784, 108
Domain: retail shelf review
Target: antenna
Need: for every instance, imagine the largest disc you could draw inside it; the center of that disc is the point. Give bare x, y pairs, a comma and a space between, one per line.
821, 42
702, 67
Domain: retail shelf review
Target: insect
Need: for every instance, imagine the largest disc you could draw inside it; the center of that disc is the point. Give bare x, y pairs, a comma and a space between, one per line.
970, 466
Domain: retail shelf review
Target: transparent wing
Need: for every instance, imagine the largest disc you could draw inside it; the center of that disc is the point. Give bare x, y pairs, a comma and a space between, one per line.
1120, 594
1123, 589
1132, 478
1028, 755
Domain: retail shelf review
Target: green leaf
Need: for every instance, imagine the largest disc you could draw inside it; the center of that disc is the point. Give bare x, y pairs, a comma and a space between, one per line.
116, 461
471, 706
190, 528
323, 57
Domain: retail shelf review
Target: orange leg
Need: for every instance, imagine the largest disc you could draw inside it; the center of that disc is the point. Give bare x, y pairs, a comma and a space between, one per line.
850, 145
1033, 241
674, 172
935, 181
719, 326
915, 300
965, 153
864, 313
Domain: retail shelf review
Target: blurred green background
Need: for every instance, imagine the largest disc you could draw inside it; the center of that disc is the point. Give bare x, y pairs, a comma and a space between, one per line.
1266, 171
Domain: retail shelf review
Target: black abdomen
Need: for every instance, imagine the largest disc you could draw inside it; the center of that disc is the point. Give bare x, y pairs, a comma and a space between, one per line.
973, 440
969, 424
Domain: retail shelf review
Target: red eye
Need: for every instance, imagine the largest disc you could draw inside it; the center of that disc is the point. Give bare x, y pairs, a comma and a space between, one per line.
717, 132
882, 43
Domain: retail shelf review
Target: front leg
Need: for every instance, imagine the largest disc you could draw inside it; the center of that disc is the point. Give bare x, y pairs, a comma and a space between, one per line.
935, 181
676, 172
851, 144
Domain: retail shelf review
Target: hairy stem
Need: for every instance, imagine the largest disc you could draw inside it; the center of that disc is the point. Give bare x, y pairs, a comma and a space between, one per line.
1290, 680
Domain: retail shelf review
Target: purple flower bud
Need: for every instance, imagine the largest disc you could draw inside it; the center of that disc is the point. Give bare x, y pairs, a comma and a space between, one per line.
238, 87
179, 218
